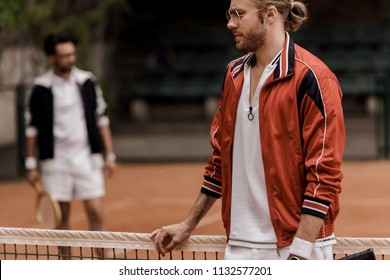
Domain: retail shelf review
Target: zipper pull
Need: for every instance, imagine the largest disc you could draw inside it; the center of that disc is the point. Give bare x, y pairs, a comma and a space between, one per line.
250, 115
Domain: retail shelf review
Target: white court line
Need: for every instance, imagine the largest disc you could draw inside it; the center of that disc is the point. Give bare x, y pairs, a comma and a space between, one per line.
120, 205
130, 202
170, 201
210, 219
365, 202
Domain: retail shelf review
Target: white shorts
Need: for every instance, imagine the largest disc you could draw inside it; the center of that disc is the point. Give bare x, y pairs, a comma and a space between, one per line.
233, 252
66, 186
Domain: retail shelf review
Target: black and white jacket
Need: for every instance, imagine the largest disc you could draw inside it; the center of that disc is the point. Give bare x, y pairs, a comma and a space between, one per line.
40, 111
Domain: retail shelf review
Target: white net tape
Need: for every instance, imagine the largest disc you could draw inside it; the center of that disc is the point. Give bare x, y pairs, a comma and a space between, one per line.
103, 239
127, 240
350, 245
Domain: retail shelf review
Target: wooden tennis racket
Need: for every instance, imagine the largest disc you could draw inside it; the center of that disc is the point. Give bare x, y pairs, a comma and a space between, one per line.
47, 210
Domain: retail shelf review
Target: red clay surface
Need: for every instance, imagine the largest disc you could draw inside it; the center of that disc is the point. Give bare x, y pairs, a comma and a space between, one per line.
143, 197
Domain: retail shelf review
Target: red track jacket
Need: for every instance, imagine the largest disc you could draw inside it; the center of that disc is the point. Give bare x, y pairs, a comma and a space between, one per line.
302, 140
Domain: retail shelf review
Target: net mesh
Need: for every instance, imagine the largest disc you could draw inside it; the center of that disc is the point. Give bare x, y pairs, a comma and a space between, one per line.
23, 243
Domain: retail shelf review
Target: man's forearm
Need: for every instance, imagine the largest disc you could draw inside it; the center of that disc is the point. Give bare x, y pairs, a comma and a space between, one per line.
303, 242
200, 208
107, 139
30, 146
30, 162
309, 227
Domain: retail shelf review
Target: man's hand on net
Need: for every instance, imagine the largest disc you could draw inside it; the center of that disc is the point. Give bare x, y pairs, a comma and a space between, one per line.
168, 237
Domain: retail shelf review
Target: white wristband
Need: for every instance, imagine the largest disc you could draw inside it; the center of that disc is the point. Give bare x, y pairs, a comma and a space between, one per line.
111, 157
30, 163
301, 248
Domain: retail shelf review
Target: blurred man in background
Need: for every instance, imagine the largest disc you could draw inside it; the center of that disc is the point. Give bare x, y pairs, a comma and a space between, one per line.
68, 129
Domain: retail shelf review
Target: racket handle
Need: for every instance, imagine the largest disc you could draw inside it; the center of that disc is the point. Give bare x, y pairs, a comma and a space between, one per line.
38, 187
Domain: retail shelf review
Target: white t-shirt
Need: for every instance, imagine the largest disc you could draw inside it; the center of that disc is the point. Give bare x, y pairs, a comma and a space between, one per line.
250, 218
72, 152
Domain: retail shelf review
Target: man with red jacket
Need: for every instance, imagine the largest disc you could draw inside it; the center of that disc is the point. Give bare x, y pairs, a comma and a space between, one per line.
278, 139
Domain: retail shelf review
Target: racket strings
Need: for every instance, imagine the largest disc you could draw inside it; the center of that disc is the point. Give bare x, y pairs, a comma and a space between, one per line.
48, 212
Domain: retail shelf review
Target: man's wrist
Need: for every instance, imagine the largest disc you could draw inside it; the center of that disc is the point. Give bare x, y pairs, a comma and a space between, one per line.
111, 157
301, 248
30, 163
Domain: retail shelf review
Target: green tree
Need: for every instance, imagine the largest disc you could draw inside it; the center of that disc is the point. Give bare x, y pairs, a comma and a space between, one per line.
29, 21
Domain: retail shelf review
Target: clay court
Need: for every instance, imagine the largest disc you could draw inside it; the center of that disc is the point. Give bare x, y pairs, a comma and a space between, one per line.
142, 197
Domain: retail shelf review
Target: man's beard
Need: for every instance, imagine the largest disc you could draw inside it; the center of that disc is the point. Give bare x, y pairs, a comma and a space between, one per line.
253, 40
63, 69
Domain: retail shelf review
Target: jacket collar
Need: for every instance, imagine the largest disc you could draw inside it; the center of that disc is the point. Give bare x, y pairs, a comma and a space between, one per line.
79, 76
285, 61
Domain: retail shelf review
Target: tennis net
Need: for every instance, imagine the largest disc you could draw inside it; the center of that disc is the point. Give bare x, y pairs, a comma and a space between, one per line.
42, 244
